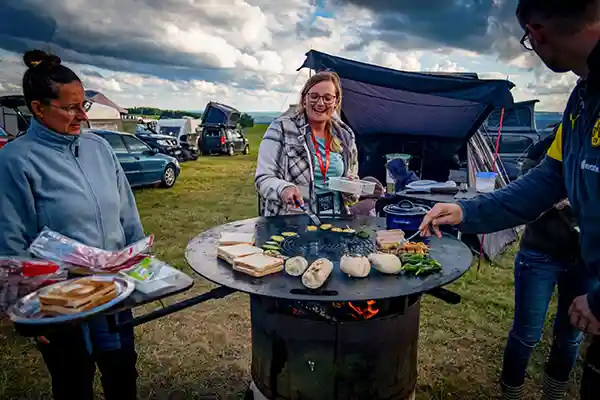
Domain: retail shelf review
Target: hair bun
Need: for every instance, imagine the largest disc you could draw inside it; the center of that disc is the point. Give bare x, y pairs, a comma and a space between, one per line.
35, 58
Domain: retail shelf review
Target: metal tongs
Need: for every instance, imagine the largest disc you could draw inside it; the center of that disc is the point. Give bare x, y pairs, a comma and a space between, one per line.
315, 220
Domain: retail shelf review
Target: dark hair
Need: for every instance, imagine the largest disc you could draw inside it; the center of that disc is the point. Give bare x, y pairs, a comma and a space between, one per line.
574, 12
44, 73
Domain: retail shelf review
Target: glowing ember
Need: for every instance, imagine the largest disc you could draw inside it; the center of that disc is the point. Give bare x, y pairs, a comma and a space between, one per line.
364, 312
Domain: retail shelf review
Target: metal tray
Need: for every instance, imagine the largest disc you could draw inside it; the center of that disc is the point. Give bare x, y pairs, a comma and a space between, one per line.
27, 309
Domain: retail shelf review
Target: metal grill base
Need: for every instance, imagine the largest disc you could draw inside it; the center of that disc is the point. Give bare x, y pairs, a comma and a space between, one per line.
305, 359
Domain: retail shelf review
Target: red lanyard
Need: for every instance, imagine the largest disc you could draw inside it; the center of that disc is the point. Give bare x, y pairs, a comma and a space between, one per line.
324, 168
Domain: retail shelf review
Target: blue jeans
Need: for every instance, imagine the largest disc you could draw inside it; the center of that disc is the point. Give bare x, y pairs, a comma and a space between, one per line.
536, 276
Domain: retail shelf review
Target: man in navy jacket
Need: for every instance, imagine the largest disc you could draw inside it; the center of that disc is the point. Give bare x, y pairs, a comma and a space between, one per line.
566, 36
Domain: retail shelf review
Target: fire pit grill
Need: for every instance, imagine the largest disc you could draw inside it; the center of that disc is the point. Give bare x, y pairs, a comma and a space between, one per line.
354, 339
201, 255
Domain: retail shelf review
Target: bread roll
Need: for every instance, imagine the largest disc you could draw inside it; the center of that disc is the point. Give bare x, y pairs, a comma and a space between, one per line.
356, 266
296, 266
385, 263
318, 272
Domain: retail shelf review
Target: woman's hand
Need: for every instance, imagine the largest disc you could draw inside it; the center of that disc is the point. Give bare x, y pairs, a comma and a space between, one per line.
291, 195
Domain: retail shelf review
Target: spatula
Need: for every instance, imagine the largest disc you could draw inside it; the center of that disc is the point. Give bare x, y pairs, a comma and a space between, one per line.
315, 220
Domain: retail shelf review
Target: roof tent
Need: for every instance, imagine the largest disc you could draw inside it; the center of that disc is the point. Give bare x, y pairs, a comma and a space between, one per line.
393, 111
220, 114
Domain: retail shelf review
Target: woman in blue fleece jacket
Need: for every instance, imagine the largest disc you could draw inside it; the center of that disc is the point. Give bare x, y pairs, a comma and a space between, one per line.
70, 181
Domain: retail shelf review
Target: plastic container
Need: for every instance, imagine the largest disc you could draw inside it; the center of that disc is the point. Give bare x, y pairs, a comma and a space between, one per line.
368, 188
346, 185
149, 276
485, 182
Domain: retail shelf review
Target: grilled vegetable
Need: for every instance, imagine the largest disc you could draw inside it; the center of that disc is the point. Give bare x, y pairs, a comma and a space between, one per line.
289, 234
325, 227
311, 228
336, 230
269, 247
363, 234
271, 243
277, 239
349, 231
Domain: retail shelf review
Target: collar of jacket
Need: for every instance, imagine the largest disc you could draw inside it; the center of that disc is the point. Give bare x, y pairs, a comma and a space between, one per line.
46, 136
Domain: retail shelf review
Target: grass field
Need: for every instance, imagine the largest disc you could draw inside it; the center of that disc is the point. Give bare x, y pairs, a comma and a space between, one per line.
206, 349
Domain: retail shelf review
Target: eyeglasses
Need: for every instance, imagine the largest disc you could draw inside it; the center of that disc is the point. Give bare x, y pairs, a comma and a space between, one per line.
327, 98
526, 41
75, 108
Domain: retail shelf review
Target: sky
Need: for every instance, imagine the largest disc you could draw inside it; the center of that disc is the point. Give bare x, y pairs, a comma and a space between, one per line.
181, 54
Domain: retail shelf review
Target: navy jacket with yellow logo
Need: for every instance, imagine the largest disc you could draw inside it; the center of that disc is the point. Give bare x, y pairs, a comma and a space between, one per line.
571, 169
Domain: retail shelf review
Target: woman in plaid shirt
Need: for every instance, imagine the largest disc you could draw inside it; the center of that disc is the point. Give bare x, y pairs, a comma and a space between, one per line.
300, 152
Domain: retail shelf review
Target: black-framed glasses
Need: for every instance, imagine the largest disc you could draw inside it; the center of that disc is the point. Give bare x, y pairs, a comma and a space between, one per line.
526, 41
75, 108
327, 98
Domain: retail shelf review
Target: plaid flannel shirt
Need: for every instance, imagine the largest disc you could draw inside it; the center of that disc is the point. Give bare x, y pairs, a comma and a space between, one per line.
285, 159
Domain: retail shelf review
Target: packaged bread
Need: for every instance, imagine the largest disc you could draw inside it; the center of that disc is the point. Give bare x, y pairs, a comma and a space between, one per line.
296, 266
385, 263
318, 272
355, 266
258, 265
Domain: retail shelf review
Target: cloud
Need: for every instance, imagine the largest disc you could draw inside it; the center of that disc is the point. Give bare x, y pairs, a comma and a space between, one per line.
181, 53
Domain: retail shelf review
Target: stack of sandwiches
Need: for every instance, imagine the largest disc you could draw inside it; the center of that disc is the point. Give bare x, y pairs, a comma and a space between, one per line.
238, 250
77, 296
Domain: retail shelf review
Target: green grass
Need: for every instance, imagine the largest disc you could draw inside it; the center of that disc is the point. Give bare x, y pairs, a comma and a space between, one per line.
206, 349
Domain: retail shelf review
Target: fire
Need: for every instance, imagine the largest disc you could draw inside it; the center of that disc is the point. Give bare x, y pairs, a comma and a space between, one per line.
365, 312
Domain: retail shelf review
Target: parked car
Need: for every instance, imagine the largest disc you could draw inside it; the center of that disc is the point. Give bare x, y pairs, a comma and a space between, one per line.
164, 144
14, 115
142, 165
221, 133
185, 130
519, 133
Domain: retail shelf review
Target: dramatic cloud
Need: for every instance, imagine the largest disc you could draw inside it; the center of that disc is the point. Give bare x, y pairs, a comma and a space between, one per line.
167, 52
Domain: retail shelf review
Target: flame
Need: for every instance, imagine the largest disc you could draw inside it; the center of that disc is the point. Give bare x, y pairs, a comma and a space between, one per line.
365, 312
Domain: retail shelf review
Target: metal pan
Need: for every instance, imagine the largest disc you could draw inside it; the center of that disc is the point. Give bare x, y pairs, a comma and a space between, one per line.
27, 309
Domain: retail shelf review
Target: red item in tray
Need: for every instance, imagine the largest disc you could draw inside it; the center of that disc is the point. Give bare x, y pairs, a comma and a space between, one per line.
37, 268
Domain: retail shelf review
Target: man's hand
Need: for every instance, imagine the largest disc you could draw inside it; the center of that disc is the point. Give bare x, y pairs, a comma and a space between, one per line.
291, 195
440, 214
581, 316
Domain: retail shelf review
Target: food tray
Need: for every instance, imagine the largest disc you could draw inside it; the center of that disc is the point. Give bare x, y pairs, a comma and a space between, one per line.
27, 309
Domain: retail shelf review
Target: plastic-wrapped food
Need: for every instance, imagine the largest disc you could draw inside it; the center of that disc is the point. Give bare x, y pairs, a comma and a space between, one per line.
21, 276
51, 245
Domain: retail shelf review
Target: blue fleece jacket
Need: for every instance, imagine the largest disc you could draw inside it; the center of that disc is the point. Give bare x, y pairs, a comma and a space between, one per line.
571, 169
73, 185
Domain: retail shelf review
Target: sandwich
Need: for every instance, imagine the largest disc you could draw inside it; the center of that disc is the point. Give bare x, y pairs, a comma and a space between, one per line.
233, 238
77, 296
390, 239
258, 265
229, 253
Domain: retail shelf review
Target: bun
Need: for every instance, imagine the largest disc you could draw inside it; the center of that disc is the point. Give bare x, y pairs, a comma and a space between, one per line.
37, 58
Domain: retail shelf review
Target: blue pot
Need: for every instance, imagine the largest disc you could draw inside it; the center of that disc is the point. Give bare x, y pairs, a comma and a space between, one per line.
405, 215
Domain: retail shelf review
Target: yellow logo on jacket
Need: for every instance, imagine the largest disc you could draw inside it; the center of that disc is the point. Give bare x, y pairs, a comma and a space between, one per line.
596, 134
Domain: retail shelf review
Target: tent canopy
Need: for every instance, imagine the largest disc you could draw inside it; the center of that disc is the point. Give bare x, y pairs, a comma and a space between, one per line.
450, 106
428, 115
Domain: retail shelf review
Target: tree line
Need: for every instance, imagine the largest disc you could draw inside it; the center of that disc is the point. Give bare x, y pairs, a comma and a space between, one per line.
246, 120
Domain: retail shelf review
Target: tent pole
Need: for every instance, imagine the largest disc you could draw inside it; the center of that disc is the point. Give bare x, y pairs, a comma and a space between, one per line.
494, 164
422, 160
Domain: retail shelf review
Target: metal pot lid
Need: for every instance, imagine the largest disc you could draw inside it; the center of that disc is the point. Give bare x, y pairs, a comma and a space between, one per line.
405, 208
200, 254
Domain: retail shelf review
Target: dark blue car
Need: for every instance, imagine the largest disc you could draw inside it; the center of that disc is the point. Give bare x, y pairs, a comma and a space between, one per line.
142, 165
